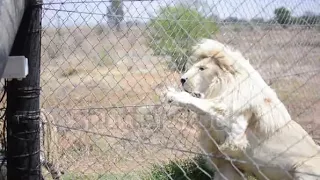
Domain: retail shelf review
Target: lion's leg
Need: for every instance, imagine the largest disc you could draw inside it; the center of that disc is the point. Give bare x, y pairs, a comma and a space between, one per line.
235, 129
236, 139
218, 112
200, 106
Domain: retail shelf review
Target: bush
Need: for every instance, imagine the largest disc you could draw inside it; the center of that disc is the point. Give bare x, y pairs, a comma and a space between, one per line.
283, 16
175, 30
182, 170
185, 169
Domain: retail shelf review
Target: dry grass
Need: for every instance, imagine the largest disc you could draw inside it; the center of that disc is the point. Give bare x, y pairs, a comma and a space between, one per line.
97, 76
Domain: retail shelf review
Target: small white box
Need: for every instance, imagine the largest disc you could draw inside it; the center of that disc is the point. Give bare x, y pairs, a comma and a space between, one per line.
16, 68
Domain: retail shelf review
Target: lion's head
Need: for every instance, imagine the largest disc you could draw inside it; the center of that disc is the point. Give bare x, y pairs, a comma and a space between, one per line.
216, 66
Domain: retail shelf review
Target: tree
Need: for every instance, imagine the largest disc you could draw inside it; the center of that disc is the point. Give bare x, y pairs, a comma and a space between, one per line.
283, 16
115, 13
174, 30
309, 18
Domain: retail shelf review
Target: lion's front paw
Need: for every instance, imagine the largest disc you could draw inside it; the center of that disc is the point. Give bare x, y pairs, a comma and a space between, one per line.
171, 95
176, 97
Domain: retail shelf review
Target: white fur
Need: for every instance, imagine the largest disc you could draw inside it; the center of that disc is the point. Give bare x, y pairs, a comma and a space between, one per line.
242, 117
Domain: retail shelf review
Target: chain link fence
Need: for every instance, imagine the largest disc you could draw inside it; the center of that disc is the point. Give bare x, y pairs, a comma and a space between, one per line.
105, 63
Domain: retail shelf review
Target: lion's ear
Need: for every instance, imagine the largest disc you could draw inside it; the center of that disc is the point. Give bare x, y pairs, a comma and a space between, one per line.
223, 61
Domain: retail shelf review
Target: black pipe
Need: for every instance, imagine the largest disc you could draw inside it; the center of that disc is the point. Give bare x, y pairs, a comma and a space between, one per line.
22, 114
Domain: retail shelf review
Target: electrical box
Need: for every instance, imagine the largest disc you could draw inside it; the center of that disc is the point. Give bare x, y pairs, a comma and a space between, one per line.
16, 68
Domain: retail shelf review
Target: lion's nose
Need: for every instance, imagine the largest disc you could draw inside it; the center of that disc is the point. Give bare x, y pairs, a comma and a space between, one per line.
183, 80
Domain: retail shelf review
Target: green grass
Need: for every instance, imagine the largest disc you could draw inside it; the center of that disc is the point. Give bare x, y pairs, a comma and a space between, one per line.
106, 176
193, 169
185, 169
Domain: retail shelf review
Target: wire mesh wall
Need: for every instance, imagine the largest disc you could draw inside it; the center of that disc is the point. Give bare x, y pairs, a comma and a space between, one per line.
105, 64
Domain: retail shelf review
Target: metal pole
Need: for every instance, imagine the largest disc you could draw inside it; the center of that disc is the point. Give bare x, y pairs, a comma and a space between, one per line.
22, 115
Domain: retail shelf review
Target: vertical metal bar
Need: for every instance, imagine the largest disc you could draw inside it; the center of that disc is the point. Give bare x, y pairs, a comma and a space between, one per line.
23, 144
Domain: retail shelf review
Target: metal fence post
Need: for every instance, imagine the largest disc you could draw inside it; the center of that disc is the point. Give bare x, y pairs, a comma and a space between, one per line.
23, 145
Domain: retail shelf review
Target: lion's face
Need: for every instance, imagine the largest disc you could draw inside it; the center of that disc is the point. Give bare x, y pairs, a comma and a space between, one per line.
202, 76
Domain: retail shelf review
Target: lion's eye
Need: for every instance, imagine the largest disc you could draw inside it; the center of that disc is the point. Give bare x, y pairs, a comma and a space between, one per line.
201, 68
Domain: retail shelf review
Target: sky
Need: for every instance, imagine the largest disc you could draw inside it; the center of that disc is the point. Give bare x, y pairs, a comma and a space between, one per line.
91, 12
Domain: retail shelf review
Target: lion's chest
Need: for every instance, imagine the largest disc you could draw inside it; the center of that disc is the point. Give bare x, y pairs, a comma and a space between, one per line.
213, 131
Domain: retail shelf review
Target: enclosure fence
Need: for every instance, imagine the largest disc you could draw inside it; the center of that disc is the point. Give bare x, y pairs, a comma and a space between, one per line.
104, 66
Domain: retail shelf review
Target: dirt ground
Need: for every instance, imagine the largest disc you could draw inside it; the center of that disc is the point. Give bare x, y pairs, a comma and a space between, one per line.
103, 90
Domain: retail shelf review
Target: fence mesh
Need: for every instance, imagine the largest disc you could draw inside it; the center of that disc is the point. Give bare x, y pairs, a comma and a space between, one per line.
105, 63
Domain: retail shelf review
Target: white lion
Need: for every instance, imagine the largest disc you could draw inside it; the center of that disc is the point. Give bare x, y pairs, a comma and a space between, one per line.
241, 117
